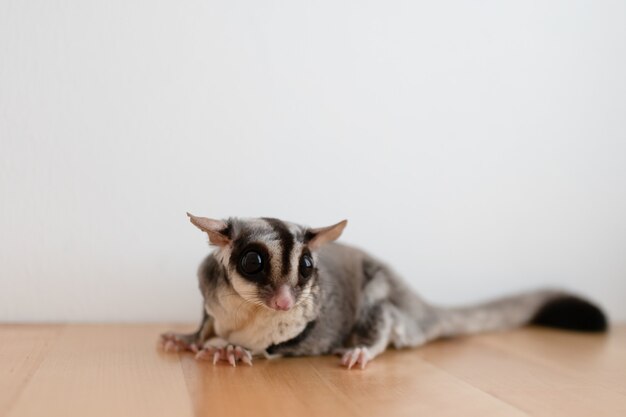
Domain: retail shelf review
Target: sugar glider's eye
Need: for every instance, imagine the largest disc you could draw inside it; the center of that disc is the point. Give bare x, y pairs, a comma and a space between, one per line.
251, 263
306, 266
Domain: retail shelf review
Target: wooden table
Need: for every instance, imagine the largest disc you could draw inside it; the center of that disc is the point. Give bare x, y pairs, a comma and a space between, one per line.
116, 370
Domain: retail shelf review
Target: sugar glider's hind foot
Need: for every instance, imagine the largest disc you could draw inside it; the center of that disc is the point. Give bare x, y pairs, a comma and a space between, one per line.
178, 342
356, 357
217, 349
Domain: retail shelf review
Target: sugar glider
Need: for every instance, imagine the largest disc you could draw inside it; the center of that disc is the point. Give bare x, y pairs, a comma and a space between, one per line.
276, 288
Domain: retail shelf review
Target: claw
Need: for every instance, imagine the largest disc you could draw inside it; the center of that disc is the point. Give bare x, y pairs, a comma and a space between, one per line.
247, 360
363, 358
224, 352
174, 342
354, 356
170, 346
231, 356
243, 355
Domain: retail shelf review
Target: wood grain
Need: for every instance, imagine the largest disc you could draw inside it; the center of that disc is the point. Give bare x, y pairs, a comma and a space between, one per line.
538, 387
116, 370
22, 348
105, 370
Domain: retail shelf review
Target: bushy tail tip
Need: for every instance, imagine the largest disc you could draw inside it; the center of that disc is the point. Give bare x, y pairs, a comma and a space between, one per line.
571, 313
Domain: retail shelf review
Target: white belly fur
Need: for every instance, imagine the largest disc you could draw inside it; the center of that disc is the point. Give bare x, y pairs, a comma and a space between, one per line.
255, 327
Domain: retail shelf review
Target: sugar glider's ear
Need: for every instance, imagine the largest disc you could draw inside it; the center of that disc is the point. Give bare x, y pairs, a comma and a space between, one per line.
216, 229
317, 237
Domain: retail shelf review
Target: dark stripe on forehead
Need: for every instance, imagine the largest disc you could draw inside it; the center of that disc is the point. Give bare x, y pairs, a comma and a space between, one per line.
286, 242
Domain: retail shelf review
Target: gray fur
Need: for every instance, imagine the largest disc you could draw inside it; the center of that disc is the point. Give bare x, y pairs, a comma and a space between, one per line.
352, 300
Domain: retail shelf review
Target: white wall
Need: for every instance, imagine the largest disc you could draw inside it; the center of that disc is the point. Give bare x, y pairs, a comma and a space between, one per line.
479, 147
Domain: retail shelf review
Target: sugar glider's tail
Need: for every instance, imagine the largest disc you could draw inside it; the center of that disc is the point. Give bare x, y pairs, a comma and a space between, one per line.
545, 308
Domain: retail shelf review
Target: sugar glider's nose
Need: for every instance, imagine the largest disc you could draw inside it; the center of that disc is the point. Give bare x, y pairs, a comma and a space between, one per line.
282, 299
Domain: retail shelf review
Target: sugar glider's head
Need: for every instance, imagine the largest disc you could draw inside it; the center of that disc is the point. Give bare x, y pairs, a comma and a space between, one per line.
269, 262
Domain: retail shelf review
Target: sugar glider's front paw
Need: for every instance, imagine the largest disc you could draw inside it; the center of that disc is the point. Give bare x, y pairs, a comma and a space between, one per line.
218, 349
178, 342
355, 356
